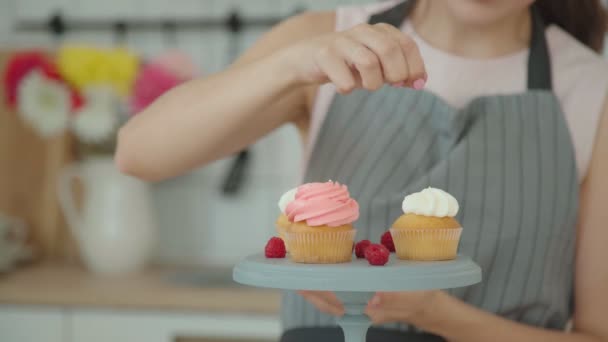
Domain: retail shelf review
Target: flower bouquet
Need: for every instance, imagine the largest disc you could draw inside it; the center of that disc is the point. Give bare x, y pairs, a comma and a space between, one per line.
88, 91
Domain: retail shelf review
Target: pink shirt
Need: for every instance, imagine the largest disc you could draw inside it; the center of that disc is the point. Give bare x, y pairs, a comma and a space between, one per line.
580, 80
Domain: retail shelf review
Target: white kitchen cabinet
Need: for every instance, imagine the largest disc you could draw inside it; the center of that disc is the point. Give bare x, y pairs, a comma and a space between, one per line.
31, 324
121, 326
42, 324
63, 303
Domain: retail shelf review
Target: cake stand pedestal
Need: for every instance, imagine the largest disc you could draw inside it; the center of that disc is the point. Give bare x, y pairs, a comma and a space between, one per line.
355, 283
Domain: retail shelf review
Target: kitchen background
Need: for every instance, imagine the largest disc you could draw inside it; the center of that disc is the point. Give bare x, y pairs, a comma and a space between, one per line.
197, 223
69, 288
183, 292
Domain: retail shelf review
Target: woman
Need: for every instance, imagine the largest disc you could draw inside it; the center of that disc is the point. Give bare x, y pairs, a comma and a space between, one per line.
512, 122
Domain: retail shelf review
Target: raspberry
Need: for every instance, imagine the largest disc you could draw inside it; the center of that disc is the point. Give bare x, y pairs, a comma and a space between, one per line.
275, 248
387, 241
360, 248
376, 254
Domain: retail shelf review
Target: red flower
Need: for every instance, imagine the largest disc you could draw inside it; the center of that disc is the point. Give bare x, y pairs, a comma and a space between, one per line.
20, 64
77, 99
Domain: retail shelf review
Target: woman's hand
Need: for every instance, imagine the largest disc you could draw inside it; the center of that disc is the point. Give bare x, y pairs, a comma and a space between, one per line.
324, 301
384, 307
366, 56
403, 307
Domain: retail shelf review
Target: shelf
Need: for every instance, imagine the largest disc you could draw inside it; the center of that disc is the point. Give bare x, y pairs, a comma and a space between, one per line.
71, 286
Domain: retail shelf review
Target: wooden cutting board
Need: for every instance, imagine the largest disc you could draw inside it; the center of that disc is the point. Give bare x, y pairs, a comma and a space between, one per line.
29, 167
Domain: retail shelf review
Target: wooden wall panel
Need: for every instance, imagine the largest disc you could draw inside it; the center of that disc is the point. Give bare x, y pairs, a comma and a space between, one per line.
29, 167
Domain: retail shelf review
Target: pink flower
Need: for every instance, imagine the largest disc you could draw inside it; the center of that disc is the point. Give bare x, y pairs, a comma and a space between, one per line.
179, 63
153, 81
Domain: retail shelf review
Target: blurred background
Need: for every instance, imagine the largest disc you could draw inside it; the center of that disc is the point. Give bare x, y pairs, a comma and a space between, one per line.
90, 255
87, 254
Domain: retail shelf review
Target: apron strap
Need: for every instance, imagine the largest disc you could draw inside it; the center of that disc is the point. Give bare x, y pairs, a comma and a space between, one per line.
395, 15
539, 61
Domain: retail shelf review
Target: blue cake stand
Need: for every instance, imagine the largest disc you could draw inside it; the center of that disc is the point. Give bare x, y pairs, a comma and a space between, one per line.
354, 283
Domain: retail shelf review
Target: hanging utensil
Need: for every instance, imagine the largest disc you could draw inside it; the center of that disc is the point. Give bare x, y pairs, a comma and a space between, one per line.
57, 26
120, 32
238, 171
169, 29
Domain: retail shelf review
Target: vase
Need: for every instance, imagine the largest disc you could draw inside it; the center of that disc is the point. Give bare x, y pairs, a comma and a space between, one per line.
115, 229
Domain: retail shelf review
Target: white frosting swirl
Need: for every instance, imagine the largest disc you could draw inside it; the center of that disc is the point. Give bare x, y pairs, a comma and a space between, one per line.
287, 198
430, 202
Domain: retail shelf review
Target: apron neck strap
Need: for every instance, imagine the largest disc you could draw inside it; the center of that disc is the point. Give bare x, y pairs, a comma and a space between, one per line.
539, 61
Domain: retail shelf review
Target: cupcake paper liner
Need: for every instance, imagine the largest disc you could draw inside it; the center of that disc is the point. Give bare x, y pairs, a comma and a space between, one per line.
282, 231
426, 244
321, 247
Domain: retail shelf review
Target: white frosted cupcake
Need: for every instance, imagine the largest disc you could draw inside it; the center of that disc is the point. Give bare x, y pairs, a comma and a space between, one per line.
427, 230
283, 223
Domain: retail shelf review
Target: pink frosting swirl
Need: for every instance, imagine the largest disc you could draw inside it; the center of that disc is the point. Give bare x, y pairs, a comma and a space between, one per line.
323, 204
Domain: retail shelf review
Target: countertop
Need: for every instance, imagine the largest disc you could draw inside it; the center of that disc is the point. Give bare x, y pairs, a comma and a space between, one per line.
71, 286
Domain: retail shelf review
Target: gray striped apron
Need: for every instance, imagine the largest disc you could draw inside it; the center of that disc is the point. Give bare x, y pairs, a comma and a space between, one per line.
508, 159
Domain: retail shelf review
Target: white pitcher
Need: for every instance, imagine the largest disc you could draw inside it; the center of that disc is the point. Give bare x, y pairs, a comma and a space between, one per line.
116, 230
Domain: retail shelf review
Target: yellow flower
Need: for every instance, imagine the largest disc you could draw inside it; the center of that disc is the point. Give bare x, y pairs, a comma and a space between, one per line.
84, 66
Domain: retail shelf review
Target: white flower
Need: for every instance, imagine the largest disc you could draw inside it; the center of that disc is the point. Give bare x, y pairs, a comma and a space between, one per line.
96, 121
44, 103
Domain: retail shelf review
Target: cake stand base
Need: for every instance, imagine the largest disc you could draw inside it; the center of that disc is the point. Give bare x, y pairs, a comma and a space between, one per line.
354, 323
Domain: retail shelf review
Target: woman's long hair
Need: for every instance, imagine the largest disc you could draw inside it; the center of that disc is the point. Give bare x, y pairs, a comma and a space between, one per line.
583, 19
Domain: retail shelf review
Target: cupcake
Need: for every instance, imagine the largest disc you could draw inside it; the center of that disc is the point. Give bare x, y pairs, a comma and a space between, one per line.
282, 224
322, 230
427, 230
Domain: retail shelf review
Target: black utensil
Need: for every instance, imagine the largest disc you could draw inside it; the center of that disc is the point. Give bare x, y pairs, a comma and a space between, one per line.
237, 173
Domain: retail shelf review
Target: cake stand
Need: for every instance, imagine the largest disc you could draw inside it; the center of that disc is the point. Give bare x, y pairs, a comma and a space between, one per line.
354, 283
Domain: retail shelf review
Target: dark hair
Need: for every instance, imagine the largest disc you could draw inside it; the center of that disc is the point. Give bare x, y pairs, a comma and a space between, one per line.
583, 19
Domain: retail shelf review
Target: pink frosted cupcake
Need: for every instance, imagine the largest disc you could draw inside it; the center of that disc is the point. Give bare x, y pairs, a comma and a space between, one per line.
322, 230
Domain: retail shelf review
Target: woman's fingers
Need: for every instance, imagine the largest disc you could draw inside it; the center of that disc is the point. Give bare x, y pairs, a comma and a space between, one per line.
386, 48
338, 72
378, 316
324, 301
368, 56
323, 306
386, 307
366, 62
409, 48
326, 296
